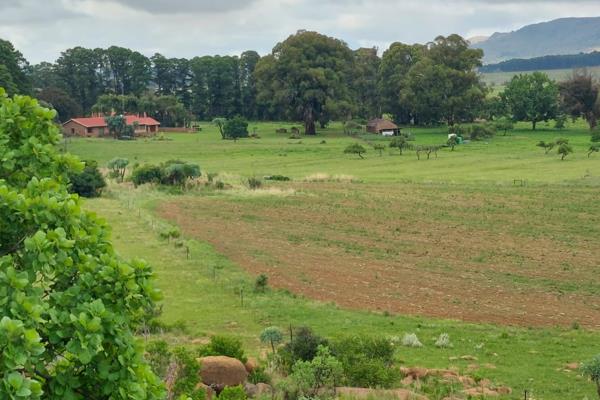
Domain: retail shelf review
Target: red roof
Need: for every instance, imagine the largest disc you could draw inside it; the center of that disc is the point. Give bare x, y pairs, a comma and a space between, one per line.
99, 122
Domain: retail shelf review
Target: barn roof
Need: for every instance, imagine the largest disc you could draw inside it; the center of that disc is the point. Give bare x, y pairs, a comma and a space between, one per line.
382, 124
99, 122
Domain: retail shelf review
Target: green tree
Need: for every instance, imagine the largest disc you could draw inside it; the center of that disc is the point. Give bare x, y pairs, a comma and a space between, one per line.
400, 143
70, 305
379, 148
594, 148
355, 148
220, 123
308, 76
580, 97
118, 167
14, 69
452, 142
364, 82
117, 126
89, 182
60, 100
125, 71
396, 61
318, 376
78, 70
504, 124
271, 335
547, 146
235, 128
444, 86
592, 370
247, 65
532, 98
564, 149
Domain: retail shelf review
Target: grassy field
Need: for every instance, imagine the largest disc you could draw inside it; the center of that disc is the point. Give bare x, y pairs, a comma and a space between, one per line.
500, 78
386, 245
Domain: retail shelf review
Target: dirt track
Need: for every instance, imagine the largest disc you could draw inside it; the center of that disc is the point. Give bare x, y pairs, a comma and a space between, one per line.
474, 256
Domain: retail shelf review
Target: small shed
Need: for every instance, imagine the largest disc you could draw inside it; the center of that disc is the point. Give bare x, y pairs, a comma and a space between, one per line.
383, 127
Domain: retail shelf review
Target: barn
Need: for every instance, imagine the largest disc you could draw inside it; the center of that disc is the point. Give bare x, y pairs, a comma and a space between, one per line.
96, 126
383, 127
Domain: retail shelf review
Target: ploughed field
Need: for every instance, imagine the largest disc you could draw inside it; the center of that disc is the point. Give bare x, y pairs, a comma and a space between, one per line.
503, 254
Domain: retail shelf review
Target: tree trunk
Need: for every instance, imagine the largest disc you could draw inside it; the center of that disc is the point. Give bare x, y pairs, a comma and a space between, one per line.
534, 123
309, 122
592, 121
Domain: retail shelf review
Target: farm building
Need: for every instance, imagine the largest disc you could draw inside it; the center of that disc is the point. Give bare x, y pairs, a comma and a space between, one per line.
96, 126
383, 127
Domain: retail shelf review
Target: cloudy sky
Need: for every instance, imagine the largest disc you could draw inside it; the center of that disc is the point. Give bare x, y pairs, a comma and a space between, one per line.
41, 29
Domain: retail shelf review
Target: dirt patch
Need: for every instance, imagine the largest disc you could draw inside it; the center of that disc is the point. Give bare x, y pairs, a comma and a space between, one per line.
503, 256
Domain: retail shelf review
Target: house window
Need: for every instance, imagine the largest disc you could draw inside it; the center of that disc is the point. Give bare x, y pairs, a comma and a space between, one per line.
72, 131
89, 130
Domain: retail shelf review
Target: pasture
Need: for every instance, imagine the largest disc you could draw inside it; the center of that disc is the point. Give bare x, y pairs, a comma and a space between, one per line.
494, 243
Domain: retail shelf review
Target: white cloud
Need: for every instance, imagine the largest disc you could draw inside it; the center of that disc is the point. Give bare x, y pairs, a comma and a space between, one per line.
186, 28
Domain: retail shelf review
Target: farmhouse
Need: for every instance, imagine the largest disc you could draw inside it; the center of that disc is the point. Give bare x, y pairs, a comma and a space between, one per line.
383, 127
96, 126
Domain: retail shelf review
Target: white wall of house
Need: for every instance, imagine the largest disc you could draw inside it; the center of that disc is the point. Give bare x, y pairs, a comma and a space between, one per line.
387, 133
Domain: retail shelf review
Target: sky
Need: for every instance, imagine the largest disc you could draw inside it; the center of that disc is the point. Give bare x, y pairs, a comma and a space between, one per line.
41, 29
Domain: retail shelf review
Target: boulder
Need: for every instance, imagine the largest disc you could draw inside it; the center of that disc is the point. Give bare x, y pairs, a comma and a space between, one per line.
221, 370
209, 393
250, 389
251, 364
263, 388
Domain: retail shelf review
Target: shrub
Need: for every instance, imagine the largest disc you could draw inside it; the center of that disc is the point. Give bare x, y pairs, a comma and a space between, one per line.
481, 132
233, 393
379, 147
564, 149
399, 142
89, 182
367, 361
221, 345
596, 136
591, 369
411, 340
146, 174
175, 172
547, 146
254, 183
355, 148
594, 148
504, 124
281, 178
179, 366
271, 335
118, 167
261, 284
443, 341
235, 128
219, 185
303, 346
317, 377
258, 375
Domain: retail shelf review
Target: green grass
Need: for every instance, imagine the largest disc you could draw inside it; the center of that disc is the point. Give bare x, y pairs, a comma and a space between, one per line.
209, 303
204, 291
500, 160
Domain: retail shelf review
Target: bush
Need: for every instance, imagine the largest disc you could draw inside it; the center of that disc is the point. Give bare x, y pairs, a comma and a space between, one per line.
235, 128
89, 182
233, 393
254, 183
146, 174
592, 370
596, 136
118, 167
281, 178
175, 172
443, 341
303, 346
481, 132
224, 346
411, 340
355, 148
258, 375
261, 284
367, 361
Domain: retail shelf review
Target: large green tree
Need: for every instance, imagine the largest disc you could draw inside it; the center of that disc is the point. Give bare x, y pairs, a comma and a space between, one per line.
79, 72
580, 97
308, 75
125, 71
13, 69
396, 62
444, 85
60, 100
69, 306
532, 98
364, 82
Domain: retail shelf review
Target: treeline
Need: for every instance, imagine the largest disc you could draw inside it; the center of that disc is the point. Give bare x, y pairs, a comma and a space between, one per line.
570, 61
308, 77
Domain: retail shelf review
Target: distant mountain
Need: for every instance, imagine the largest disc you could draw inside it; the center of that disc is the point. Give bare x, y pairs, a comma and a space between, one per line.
478, 39
561, 36
570, 61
